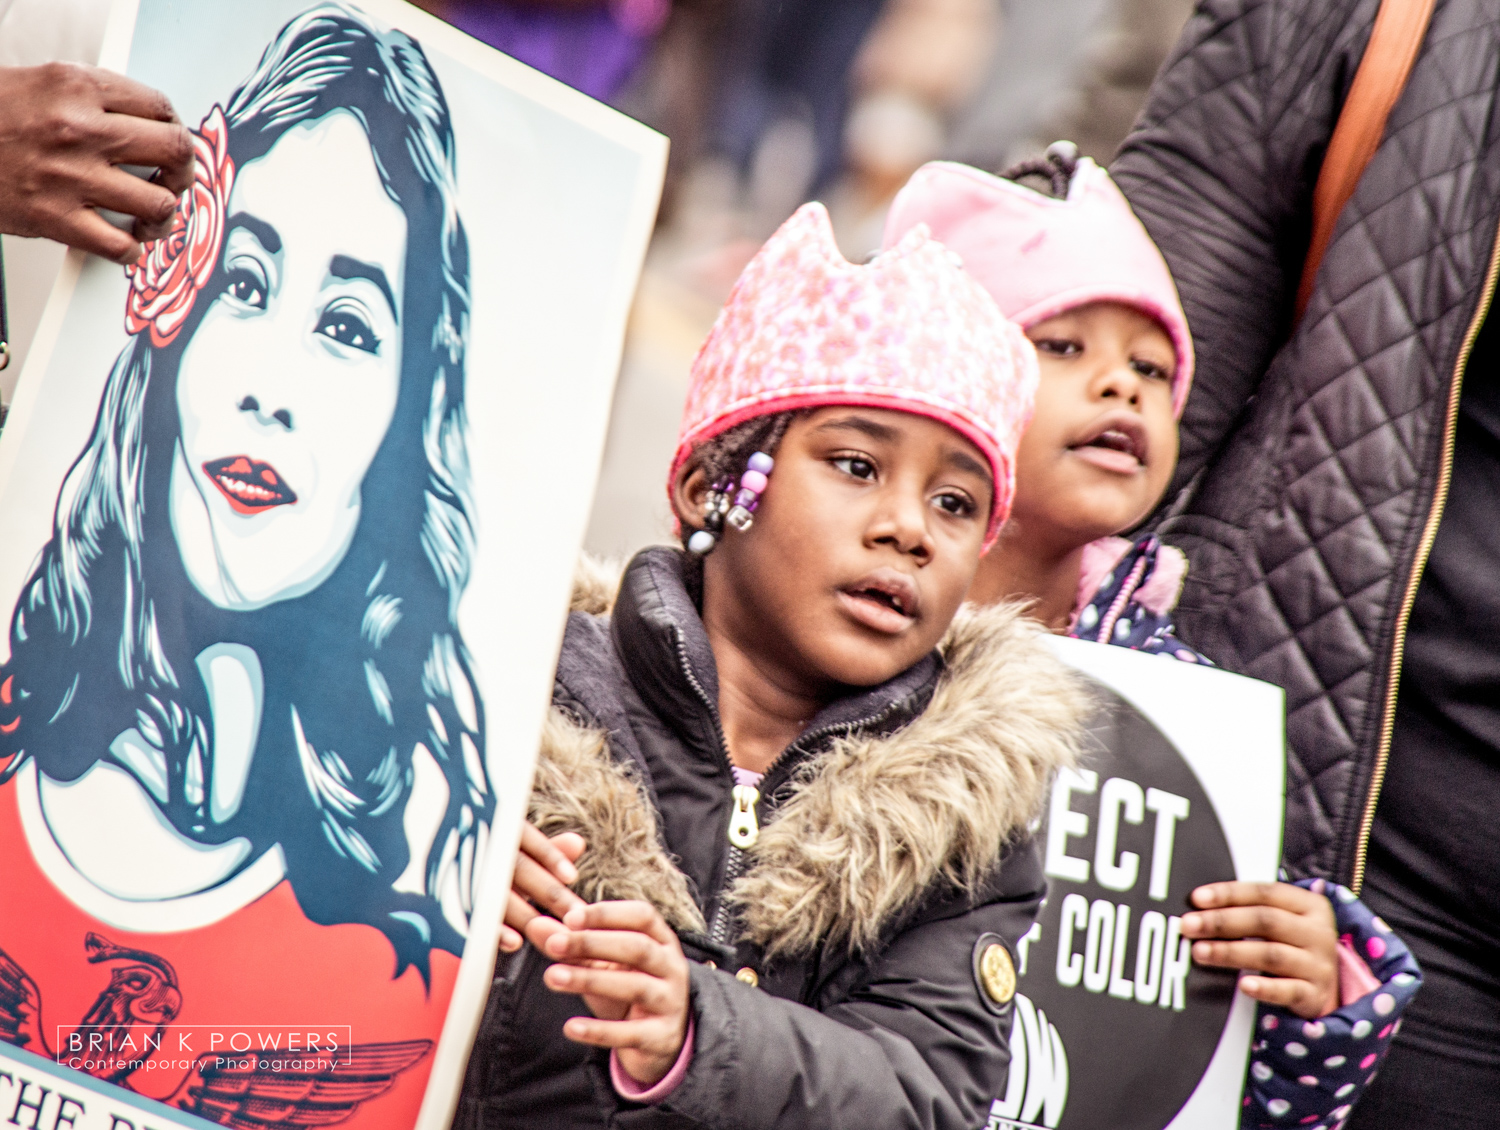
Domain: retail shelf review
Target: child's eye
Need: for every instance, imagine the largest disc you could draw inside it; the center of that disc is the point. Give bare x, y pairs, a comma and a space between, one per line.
958, 505
1058, 346
1150, 369
345, 323
247, 285
856, 466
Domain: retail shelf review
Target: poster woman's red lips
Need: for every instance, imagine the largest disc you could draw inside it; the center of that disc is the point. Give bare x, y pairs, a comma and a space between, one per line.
252, 487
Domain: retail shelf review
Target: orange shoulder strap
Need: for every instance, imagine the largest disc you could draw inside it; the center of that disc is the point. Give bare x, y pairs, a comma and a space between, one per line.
1394, 42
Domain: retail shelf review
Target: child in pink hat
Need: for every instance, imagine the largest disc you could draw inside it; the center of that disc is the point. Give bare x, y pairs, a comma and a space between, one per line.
1076, 269
778, 855
1080, 275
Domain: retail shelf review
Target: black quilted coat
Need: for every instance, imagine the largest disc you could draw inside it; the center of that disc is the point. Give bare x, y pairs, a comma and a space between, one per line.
1321, 454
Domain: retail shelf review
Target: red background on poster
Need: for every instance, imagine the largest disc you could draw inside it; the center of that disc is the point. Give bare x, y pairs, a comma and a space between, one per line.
228, 975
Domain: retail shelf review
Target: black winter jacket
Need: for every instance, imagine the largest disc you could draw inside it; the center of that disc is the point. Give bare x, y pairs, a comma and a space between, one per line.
1322, 455
868, 1012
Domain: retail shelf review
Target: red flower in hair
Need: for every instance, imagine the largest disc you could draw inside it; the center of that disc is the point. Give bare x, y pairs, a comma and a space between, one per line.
166, 279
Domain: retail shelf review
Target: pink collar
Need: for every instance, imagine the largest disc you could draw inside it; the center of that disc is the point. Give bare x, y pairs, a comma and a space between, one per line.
1162, 586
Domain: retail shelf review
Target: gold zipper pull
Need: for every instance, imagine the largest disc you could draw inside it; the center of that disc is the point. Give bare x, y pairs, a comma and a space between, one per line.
744, 829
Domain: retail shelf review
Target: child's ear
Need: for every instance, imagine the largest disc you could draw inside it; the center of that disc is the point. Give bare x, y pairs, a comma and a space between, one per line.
690, 494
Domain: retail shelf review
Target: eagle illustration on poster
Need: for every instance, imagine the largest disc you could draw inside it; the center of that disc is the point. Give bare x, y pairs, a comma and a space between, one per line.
130, 1018
247, 761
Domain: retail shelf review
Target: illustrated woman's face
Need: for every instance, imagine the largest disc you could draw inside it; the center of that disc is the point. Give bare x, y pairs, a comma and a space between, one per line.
287, 388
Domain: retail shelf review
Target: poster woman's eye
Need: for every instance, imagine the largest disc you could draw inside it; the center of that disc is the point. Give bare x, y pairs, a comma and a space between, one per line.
347, 324
247, 285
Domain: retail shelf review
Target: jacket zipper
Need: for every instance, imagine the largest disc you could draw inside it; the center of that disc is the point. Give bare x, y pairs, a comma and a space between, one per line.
718, 931
744, 825
735, 865
1419, 566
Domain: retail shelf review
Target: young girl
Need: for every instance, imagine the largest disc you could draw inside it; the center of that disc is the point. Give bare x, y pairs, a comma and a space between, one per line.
1079, 274
806, 852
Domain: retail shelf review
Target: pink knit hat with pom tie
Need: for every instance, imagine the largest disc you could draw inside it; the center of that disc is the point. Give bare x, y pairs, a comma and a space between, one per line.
910, 331
1040, 256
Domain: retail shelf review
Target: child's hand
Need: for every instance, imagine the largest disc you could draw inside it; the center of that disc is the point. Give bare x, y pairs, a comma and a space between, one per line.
1275, 929
544, 870
626, 963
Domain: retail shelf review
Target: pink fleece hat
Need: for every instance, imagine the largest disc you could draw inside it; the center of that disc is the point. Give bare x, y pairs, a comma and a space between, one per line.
911, 331
1040, 256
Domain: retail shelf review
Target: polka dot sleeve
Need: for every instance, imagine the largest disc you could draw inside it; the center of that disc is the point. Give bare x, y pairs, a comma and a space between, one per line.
1310, 1073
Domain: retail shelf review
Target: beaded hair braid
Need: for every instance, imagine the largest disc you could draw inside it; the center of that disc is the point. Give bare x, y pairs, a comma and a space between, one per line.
725, 457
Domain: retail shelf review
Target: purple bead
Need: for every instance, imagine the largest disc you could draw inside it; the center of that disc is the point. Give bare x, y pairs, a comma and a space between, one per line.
744, 498
753, 480
762, 462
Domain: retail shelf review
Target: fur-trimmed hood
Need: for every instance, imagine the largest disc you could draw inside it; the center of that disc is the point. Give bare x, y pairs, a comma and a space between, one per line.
871, 824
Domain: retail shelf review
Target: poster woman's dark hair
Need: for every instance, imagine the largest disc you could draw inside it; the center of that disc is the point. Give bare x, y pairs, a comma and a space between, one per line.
244, 627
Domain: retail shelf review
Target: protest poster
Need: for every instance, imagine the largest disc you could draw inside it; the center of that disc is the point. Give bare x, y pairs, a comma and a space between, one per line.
288, 517
1182, 785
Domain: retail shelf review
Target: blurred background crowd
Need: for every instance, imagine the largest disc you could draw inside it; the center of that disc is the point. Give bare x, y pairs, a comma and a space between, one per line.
769, 103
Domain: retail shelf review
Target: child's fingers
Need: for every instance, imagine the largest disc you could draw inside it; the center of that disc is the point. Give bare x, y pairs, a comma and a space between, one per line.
540, 930
542, 888
625, 987
1302, 997
1268, 922
654, 1033
518, 914
630, 914
1259, 956
630, 948
549, 853
510, 938
1284, 896
522, 921
571, 844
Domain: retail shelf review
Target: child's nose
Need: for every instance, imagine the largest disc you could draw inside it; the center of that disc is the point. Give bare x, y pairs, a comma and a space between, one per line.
902, 524
1120, 382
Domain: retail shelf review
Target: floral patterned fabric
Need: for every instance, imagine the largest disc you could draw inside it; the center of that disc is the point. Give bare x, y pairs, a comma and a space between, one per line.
806, 328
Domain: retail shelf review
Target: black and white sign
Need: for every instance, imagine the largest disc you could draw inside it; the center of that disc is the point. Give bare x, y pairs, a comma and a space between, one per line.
1183, 785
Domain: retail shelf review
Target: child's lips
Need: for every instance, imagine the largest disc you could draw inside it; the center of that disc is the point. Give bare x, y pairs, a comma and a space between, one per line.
1106, 459
249, 485
885, 601
1115, 443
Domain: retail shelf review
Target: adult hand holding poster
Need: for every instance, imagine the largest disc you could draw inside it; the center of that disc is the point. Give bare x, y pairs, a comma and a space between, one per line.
288, 512
1115, 1025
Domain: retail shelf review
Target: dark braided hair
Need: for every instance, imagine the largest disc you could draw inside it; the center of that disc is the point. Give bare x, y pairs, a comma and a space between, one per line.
1056, 168
724, 457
